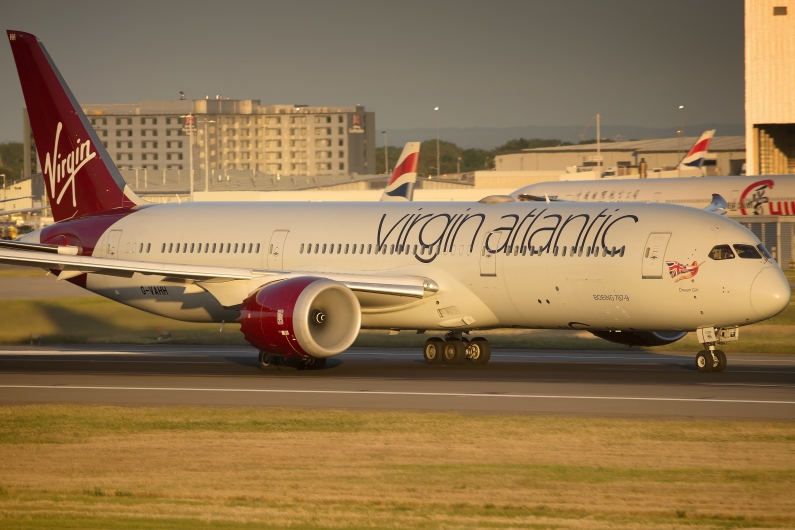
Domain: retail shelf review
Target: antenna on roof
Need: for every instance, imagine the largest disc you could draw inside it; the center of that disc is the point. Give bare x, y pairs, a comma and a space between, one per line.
181, 95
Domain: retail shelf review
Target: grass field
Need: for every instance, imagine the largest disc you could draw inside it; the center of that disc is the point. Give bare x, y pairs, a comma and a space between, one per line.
71, 466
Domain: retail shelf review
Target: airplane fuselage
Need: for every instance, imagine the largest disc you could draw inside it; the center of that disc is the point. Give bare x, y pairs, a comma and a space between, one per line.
746, 196
532, 265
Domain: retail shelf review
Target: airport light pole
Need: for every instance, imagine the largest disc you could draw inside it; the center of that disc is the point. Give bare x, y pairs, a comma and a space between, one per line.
206, 156
438, 164
680, 133
386, 156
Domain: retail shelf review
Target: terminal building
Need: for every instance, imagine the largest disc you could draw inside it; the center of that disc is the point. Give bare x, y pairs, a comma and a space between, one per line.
290, 140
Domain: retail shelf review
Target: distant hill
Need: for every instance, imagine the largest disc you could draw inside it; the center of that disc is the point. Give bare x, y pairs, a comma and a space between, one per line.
491, 137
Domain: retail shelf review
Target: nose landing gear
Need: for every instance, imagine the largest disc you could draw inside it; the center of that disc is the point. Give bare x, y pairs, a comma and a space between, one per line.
456, 349
710, 359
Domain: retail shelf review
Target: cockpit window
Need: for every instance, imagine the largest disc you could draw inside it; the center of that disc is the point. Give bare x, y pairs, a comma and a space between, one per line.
764, 251
721, 252
747, 252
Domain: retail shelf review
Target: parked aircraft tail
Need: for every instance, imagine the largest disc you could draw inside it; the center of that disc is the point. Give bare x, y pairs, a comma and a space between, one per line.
694, 159
79, 175
401, 184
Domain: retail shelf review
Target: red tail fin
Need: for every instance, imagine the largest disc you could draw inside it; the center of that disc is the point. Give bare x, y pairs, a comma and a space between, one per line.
78, 172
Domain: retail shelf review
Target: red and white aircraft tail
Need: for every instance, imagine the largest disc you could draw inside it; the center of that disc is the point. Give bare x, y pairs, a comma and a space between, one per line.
401, 184
78, 172
694, 159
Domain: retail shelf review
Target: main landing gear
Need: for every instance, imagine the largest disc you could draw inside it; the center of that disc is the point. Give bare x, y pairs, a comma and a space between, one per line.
456, 349
710, 359
268, 362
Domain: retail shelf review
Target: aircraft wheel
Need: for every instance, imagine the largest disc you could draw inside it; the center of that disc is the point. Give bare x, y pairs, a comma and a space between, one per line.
432, 351
267, 361
453, 351
720, 361
313, 363
704, 361
288, 363
480, 350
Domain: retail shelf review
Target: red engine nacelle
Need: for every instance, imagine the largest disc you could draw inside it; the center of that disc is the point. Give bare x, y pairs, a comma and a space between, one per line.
303, 316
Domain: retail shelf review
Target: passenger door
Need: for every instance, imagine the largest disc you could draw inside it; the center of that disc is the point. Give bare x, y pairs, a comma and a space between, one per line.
654, 256
488, 258
276, 249
113, 244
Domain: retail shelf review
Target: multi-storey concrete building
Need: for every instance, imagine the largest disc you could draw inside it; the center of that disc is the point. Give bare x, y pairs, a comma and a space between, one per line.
291, 140
770, 86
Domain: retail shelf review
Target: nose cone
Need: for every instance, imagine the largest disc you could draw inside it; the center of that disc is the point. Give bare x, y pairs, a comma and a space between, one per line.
770, 292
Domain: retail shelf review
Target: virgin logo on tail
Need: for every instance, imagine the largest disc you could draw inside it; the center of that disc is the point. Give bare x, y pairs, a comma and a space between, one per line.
64, 168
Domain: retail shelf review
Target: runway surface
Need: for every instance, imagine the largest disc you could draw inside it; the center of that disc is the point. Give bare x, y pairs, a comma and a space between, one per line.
617, 383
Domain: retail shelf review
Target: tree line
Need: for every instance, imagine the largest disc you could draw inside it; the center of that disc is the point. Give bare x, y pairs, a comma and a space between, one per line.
454, 159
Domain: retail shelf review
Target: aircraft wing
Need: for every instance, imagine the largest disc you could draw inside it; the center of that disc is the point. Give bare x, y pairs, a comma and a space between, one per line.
230, 285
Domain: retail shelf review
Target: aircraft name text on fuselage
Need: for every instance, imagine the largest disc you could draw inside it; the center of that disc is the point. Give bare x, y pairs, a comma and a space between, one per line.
440, 231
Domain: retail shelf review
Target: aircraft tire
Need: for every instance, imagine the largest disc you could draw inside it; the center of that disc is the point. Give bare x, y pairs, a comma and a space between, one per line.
288, 364
313, 363
720, 364
704, 361
432, 351
483, 353
267, 362
453, 352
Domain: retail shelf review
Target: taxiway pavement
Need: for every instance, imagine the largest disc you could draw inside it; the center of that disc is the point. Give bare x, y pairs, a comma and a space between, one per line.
613, 383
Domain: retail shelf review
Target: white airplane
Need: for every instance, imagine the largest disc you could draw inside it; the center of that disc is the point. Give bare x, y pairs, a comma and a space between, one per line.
303, 278
745, 196
401, 184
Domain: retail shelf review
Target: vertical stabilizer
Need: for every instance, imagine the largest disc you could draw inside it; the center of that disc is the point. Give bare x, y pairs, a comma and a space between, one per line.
78, 173
694, 159
401, 184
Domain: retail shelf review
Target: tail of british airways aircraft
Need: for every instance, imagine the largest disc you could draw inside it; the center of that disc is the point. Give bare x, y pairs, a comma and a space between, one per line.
401, 184
694, 159
78, 172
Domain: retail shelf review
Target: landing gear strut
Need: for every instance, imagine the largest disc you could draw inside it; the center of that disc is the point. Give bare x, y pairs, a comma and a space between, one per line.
710, 359
456, 349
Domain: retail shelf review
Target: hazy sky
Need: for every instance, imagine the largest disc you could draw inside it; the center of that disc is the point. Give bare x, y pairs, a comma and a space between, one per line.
485, 63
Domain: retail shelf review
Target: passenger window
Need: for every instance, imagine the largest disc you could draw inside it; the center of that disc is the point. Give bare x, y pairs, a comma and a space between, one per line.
317, 247
228, 247
214, 248
177, 249
235, 248
347, 247
747, 252
339, 248
301, 250
192, 246
184, 248
391, 249
163, 249
206, 248
720, 252
250, 247
324, 248
148, 247
258, 248
369, 248
170, 247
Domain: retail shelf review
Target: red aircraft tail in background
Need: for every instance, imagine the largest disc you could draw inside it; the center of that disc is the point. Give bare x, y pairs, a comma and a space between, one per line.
78, 172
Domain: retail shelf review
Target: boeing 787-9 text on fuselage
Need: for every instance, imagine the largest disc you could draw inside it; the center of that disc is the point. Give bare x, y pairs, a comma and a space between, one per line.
303, 278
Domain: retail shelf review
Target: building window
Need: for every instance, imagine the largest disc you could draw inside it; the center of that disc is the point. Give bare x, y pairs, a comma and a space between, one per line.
342, 165
779, 10
341, 142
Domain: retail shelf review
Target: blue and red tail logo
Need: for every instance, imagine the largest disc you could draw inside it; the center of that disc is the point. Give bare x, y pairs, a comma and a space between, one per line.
401, 184
694, 159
